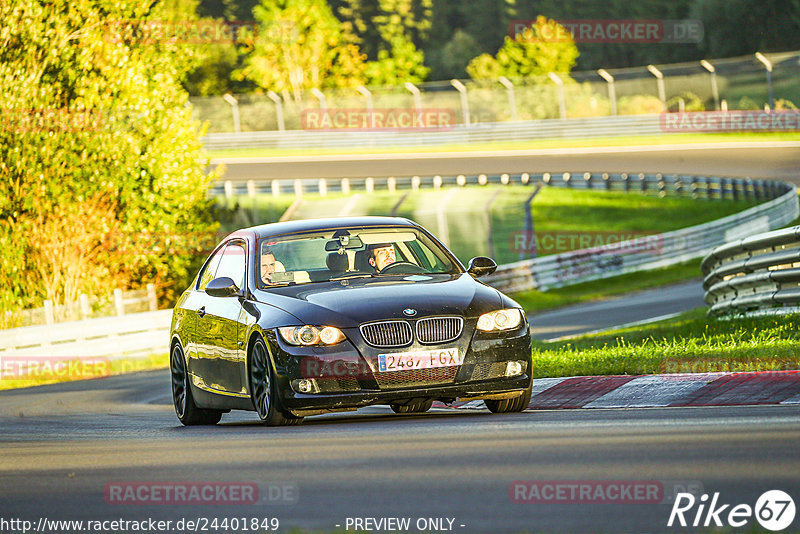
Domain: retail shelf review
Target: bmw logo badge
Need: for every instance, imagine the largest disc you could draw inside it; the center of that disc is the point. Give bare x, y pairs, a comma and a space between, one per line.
411, 312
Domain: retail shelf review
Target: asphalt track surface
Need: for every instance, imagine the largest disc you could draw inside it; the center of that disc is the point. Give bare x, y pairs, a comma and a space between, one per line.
642, 306
62, 445
757, 160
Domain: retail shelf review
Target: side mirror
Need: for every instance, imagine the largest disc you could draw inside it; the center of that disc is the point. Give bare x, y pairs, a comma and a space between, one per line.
222, 287
481, 266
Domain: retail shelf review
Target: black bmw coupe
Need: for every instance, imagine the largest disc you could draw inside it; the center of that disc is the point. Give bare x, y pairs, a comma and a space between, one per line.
303, 318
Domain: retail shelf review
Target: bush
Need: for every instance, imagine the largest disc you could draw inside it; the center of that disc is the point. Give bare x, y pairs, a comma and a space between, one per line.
691, 102
97, 149
639, 105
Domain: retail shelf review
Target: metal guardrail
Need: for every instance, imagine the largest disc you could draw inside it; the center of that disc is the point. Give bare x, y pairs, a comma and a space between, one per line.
660, 250
137, 334
629, 125
760, 273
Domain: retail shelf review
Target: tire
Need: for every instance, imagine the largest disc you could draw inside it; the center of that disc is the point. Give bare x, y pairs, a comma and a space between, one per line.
517, 404
263, 391
187, 411
419, 406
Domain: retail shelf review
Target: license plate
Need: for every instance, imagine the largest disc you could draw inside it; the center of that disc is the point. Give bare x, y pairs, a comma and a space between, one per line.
420, 359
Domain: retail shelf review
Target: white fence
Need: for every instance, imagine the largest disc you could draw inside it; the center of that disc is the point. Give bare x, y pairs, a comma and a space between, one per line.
138, 334
86, 307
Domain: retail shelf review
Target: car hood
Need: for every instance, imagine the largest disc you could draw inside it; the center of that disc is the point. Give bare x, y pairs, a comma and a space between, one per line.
348, 303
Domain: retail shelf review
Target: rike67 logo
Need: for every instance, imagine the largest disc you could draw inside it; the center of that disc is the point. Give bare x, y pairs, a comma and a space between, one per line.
774, 510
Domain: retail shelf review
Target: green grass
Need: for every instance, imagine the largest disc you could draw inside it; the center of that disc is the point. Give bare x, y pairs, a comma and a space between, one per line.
689, 343
74, 370
517, 145
535, 301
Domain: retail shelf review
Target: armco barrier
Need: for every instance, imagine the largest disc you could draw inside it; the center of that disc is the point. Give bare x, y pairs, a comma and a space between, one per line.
657, 251
137, 334
629, 125
757, 273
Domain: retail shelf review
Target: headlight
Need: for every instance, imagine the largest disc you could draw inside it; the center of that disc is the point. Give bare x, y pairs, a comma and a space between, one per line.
311, 335
500, 320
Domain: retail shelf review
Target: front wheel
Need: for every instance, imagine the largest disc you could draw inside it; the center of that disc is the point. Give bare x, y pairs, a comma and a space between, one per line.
264, 389
517, 404
187, 411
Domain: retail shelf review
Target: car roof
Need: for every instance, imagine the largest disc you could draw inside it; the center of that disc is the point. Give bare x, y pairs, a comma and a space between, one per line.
312, 225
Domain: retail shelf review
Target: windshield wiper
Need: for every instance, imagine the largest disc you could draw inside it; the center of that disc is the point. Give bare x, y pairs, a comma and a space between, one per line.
357, 275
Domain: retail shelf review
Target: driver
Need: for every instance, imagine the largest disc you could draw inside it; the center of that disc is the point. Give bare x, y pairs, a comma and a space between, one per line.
381, 255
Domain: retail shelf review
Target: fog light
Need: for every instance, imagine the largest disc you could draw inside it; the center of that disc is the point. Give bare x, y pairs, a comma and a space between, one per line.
513, 368
303, 386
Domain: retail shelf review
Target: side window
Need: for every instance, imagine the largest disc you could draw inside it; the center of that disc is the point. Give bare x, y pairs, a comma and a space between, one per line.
210, 270
233, 264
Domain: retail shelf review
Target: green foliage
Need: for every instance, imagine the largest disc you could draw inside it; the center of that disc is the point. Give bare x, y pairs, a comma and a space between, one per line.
301, 46
529, 54
748, 104
452, 60
639, 105
98, 152
691, 102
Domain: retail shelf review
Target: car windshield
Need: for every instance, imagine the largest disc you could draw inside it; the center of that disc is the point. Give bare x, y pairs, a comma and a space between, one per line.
350, 253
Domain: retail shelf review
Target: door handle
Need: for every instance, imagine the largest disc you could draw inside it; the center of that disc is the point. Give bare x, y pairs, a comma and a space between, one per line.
202, 311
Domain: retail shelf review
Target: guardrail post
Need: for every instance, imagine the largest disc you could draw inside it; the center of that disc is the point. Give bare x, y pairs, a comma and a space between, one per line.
228, 192
298, 188
323, 187
345, 186
391, 184
437, 182
566, 177
482, 179
524, 178
369, 184
152, 301
662, 186
415, 183
587, 176
626, 181
86, 309
461, 180
49, 312
643, 182
119, 303
276, 188
607, 181
504, 179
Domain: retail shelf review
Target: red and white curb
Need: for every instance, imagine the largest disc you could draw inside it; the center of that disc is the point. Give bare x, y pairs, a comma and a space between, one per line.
652, 391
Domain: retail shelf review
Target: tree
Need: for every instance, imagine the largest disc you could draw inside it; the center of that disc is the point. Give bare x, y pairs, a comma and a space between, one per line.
452, 60
301, 46
97, 148
531, 53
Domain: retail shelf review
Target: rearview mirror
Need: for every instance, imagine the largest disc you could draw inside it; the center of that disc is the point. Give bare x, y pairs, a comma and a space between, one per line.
222, 287
481, 266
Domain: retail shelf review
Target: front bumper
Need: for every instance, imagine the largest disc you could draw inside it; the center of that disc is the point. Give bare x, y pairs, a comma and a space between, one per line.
347, 374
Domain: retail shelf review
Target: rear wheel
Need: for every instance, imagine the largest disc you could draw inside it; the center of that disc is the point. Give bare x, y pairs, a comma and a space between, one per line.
517, 404
187, 411
263, 389
417, 406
